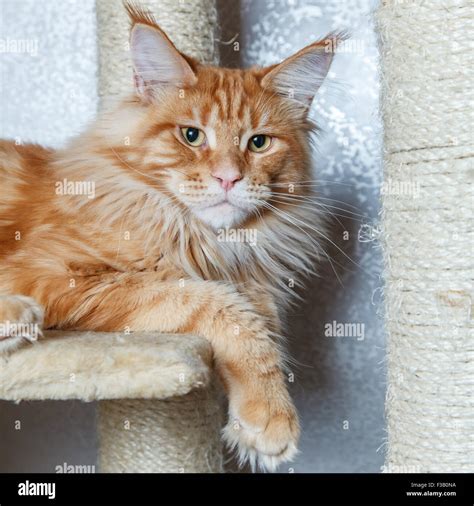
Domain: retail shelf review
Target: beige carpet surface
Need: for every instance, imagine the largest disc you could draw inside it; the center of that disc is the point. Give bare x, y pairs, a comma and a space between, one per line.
98, 365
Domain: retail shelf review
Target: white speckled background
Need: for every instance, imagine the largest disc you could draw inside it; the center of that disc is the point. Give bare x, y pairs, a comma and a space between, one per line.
46, 96
339, 381
50, 93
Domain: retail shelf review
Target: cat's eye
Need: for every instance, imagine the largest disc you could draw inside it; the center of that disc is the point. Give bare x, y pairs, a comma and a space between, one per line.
193, 136
259, 143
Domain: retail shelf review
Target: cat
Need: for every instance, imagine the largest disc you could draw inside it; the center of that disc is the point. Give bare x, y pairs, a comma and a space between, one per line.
130, 225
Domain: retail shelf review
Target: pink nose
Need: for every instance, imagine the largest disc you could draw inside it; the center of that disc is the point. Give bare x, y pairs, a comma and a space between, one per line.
227, 177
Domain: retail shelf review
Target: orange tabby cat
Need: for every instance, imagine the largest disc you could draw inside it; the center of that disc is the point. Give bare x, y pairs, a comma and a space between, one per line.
182, 210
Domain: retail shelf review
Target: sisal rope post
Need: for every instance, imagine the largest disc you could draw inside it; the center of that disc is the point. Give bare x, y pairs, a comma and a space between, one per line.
180, 434
427, 63
191, 25
177, 435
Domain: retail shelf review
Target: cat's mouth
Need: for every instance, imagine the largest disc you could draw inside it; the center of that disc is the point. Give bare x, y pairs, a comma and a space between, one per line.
217, 204
222, 214
222, 206
225, 204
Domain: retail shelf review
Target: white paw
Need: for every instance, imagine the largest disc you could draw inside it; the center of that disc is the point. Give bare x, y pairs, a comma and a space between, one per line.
267, 446
21, 319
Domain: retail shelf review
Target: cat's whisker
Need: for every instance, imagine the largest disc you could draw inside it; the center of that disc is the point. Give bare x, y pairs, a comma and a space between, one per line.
314, 197
312, 182
291, 200
282, 213
167, 169
310, 197
318, 207
291, 220
133, 168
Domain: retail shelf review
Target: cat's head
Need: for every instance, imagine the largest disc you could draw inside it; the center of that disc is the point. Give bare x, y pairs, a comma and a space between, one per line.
226, 144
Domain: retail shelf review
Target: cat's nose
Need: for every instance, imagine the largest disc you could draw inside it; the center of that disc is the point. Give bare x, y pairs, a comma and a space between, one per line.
227, 177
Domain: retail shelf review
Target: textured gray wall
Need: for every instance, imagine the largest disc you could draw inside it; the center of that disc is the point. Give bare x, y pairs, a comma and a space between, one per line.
339, 381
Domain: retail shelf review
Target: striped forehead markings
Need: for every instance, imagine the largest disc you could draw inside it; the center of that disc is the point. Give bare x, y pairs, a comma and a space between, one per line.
228, 108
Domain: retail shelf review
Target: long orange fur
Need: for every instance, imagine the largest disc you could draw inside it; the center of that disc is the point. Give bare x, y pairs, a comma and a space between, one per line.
137, 256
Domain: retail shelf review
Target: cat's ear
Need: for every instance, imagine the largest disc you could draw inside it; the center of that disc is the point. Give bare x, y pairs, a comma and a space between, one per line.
156, 61
299, 77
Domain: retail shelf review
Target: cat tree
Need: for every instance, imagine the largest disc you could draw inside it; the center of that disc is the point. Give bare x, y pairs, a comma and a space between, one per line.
158, 409
427, 64
158, 405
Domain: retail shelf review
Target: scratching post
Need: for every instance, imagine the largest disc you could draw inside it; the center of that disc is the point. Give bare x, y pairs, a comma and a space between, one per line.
159, 408
191, 26
427, 64
180, 434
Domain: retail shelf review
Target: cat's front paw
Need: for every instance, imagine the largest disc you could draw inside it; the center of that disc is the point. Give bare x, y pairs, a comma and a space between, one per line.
263, 433
21, 319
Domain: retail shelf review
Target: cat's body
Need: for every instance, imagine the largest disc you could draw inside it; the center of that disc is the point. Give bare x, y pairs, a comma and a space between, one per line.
124, 229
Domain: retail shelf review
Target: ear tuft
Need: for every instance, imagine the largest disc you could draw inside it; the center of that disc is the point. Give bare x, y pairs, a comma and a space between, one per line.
156, 61
300, 76
138, 14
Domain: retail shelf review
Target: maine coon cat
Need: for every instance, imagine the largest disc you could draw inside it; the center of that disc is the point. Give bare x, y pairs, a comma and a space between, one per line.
162, 185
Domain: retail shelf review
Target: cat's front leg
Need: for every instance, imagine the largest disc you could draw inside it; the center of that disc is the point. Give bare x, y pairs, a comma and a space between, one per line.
21, 320
264, 303
263, 424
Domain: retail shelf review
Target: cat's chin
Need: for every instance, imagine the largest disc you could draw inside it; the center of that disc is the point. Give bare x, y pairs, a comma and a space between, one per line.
224, 215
